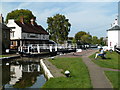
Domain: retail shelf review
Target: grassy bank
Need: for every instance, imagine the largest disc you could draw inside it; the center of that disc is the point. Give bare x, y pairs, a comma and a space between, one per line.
113, 77
79, 74
3, 56
110, 62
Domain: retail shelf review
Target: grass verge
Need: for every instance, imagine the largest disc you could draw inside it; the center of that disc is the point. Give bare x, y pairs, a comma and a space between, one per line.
110, 62
79, 74
113, 76
3, 56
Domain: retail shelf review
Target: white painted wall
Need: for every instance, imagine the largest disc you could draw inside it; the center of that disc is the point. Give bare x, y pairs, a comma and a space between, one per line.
119, 38
18, 34
46, 70
113, 38
17, 30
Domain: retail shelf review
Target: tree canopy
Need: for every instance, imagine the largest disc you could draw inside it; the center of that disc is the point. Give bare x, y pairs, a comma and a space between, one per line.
58, 28
16, 14
79, 35
86, 38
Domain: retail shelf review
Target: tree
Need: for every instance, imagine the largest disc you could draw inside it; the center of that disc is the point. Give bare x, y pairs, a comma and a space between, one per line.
86, 38
95, 40
102, 41
79, 35
16, 14
73, 40
58, 28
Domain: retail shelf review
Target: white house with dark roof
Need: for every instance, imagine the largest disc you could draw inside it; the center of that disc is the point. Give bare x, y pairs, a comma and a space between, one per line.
114, 35
24, 33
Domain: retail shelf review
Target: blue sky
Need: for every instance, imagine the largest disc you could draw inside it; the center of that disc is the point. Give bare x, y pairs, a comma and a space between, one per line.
93, 17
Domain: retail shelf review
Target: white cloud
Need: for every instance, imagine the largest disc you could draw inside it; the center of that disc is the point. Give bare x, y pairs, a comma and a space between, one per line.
60, 0
90, 17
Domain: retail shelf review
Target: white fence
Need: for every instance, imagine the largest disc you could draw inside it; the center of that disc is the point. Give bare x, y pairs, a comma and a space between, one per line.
42, 47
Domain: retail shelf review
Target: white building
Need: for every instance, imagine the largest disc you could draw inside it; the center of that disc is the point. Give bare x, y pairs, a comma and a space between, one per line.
24, 33
114, 35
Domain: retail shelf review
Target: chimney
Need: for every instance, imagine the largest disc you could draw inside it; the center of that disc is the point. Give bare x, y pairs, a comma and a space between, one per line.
32, 21
22, 19
116, 21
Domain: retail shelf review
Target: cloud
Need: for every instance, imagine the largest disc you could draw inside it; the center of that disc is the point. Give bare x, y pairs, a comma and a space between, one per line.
91, 17
60, 0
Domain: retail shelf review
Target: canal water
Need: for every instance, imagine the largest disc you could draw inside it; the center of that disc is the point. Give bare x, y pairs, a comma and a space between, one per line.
22, 73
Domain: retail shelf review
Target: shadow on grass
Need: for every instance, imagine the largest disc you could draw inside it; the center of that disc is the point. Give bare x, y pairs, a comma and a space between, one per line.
103, 58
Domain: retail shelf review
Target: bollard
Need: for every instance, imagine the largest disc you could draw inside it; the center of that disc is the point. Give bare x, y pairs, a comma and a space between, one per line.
52, 58
67, 73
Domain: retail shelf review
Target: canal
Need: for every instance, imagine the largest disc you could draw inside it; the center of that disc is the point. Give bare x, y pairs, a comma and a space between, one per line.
22, 73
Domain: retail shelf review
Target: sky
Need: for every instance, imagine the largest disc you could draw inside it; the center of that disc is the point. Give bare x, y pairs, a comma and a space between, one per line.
93, 16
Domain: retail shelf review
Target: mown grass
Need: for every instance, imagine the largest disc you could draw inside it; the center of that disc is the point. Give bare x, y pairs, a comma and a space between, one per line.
113, 76
3, 56
79, 74
112, 60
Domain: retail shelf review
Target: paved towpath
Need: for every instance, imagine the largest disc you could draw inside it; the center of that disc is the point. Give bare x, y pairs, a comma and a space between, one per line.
98, 78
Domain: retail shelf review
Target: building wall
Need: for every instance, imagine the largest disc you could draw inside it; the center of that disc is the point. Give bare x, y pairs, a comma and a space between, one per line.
119, 13
5, 39
35, 36
112, 39
16, 30
119, 38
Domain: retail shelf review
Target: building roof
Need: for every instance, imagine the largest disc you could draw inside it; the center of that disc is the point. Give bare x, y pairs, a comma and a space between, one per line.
116, 27
3, 27
29, 28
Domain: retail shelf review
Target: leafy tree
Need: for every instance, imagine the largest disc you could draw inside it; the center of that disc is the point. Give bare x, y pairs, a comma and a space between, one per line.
73, 40
79, 35
58, 28
95, 40
16, 14
102, 41
86, 38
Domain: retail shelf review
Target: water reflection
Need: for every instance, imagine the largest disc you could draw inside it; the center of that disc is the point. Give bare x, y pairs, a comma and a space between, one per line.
22, 73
